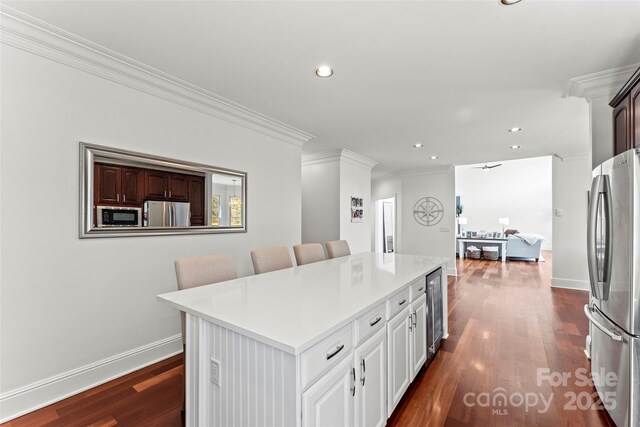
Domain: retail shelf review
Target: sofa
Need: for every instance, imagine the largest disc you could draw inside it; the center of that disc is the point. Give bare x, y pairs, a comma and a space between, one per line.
518, 248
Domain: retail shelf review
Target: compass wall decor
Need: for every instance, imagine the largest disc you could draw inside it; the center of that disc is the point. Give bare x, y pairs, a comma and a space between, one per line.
428, 211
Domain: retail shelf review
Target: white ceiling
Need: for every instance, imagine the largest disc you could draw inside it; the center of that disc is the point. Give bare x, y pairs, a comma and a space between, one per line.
453, 75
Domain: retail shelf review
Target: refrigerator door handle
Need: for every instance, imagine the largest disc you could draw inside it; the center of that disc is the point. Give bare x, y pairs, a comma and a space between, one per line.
600, 191
610, 333
591, 236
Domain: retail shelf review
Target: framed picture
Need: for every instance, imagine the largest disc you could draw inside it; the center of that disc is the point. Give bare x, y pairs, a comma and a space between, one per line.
472, 234
497, 235
357, 211
489, 235
463, 234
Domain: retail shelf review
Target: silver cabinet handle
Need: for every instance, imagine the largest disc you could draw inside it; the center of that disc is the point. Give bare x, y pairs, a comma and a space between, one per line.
169, 193
420, 289
336, 351
117, 197
124, 197
375, 322
165, 193
402, 301
353, 388
610, 333
415, 319
364, 371
410, 322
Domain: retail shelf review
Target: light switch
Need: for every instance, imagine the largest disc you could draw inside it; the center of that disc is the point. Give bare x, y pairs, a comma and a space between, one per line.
215, 371
559, 212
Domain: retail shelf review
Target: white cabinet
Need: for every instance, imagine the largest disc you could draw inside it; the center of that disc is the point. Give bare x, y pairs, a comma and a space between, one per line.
370, 361
418, 330
398, 355
331, 400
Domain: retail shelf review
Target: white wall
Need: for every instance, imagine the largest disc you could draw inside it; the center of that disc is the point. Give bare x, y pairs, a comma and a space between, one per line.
413, 238
601, 135
355, 180
321, 202
68, 303
519, 190
436, 240
329, 179
571, 182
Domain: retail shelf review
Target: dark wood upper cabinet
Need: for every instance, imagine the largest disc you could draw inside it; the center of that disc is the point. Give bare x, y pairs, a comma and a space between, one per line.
196, 197
155, 185
178, 186
634, 116
161, 185
626, 115
621, 139
117, 185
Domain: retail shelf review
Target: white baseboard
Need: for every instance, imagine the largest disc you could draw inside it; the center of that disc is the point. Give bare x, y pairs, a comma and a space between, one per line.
34, 396
579, 285
452, 271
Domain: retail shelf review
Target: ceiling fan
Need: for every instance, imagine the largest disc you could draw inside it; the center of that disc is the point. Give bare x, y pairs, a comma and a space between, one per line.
487, 167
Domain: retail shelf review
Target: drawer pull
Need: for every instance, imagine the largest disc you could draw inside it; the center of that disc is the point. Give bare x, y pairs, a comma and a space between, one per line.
402, 301
420, 289
337, 350
375, 322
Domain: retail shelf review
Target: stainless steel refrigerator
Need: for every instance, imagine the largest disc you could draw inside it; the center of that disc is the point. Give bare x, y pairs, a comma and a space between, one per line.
613, 241
166, 214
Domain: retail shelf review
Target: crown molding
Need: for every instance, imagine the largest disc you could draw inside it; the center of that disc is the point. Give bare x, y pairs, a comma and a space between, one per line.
357, 160
338, 155
32, 35
604, 83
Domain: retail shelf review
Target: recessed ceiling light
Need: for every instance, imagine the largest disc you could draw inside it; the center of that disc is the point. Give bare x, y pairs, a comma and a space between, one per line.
509, 2
433, 157
418, 145
324, 71
512, 130
515, 147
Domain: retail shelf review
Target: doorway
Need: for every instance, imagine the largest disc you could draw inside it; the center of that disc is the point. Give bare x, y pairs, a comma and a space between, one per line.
385, 225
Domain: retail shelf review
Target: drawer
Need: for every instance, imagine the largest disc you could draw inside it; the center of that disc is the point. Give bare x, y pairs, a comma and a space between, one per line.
370, 322
418, 288
325, 355
397, 302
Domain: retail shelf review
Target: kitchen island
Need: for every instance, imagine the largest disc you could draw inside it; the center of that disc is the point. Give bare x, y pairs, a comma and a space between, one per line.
283, 348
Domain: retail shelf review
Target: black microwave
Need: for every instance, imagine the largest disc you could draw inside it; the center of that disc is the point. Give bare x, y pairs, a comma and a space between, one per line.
117, 216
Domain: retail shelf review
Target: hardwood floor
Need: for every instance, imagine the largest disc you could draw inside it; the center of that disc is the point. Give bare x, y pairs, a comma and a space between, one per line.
505, 323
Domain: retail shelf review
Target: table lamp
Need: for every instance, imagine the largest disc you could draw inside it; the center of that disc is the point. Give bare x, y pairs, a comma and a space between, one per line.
503, 222
462, 221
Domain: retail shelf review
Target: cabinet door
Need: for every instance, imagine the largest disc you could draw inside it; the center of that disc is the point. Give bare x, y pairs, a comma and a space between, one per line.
635, 116
178, 187
132, 187
418, 335
398, 369
196, 198
621, 137
155, 185
370, 362
330, 401
108, 181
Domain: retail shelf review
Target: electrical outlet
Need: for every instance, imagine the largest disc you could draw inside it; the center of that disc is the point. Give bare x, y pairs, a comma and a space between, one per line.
559, 212
215, 371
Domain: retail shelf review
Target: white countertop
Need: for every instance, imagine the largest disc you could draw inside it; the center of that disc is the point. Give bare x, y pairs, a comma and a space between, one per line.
294, 308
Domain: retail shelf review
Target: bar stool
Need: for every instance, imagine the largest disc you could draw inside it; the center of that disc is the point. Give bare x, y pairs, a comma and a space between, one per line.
270, 259
338, 248
307, 253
